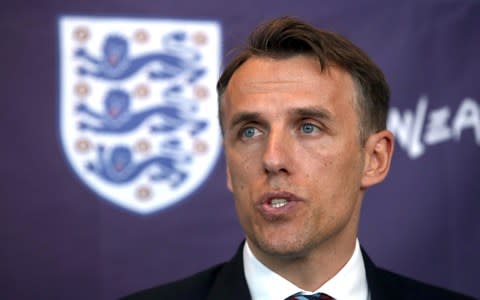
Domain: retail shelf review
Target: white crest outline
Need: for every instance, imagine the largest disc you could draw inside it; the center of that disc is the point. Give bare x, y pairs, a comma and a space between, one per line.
87, 149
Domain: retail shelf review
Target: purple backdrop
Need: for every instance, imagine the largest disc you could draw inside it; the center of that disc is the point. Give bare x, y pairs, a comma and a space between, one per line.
61, 241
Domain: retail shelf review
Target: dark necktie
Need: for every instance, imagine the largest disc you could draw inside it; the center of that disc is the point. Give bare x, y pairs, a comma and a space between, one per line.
317, 296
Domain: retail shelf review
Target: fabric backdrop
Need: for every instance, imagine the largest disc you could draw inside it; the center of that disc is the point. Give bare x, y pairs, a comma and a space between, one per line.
68, 229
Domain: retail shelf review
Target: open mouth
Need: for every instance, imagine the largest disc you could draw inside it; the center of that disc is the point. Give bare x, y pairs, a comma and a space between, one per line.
278, 202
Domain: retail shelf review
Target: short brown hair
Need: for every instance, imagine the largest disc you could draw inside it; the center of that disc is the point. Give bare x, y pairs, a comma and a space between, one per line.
286, 37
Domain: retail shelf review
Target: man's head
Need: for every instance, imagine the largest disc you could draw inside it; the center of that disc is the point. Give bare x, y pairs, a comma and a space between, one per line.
291, 107
286, 37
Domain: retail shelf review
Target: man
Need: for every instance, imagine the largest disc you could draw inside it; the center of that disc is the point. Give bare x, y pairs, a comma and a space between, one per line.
303, 114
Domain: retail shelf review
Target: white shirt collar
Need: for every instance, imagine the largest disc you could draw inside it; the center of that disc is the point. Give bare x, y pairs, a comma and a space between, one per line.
350, 283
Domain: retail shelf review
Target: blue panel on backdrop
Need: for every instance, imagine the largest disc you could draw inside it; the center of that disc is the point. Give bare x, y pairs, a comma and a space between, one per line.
128, 88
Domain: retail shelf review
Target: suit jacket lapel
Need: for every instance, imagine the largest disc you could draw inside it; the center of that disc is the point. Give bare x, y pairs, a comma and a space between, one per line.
230, 282
380, 288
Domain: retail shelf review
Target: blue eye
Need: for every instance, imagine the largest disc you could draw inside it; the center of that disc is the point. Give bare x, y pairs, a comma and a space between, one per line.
308, 128
249, 132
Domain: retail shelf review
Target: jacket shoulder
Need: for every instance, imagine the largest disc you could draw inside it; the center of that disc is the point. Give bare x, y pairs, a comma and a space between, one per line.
223, 281
384, 285
196, 286
414, 289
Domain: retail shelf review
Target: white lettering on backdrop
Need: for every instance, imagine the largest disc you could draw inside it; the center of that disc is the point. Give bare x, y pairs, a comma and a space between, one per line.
414, 130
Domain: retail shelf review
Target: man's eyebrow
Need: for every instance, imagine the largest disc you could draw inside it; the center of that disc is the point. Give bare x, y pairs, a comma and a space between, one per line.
304, 112
243, 117
312, 112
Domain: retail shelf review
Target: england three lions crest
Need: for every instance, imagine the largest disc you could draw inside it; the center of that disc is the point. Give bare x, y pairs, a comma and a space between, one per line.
137, 108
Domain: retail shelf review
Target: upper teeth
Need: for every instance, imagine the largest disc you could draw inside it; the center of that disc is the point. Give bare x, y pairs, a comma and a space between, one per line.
278, 202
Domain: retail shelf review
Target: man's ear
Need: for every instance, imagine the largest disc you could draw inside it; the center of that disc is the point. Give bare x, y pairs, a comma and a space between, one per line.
378, 156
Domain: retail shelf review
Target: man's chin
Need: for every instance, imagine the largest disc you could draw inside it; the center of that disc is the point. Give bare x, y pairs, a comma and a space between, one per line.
282, 249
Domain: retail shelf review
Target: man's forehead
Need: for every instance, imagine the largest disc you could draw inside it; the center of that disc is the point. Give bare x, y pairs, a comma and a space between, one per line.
299, 74
292, 84
263, 73
266, 86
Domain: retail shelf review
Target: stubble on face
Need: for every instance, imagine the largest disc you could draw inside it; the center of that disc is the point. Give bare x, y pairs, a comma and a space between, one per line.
317, 172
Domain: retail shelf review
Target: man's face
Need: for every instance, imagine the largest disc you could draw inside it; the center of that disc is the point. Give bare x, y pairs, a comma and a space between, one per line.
294, 162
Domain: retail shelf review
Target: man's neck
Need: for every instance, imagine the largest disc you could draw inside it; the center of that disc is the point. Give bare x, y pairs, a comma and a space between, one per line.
312, 269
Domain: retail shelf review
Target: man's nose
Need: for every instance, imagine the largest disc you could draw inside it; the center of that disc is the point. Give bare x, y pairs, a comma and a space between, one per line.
276, 155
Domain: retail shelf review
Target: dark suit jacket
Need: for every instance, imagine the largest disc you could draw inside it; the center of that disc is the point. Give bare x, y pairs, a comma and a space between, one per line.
227, 282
